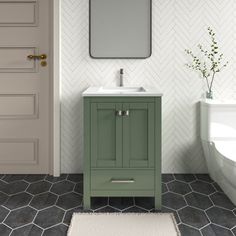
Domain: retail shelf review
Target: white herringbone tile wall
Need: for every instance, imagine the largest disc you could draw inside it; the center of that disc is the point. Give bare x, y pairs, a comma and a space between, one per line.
177, 24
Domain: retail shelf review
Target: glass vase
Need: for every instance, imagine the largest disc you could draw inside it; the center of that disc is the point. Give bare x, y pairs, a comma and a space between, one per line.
209, 95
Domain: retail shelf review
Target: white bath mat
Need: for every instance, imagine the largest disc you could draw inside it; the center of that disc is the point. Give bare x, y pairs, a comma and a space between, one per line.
123, 224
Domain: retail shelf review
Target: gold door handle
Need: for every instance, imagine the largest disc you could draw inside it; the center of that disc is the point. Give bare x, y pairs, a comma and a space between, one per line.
37, 57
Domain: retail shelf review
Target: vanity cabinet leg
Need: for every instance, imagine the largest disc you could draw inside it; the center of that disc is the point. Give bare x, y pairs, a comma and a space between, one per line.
158, 202
87, 202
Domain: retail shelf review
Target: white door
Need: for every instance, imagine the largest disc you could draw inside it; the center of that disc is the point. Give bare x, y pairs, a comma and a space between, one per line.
24, 86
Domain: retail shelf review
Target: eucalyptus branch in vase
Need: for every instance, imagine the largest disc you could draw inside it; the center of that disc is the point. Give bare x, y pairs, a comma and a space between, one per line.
211, 65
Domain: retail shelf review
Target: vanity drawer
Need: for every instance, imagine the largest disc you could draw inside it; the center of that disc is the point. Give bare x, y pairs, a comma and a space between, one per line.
122, 180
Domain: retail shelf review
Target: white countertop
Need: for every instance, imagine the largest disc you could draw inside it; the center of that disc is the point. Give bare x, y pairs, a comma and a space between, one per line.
121, 92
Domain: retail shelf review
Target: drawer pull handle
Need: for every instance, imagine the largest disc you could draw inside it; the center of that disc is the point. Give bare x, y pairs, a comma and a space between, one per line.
122, 181
119, 113
125, 113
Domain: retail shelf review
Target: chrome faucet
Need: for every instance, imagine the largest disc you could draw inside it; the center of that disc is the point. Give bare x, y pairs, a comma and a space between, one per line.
121, 77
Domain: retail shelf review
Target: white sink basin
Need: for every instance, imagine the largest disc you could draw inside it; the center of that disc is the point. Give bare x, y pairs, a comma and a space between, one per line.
120, 92
121, 89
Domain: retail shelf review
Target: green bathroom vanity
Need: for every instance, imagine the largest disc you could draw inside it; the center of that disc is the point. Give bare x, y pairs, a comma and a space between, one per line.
122, 143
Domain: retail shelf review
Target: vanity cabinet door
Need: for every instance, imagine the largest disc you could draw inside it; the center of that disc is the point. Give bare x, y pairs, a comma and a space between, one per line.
106, 135
138, 135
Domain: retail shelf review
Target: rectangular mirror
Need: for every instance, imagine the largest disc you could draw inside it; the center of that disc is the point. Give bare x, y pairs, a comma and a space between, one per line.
120, 28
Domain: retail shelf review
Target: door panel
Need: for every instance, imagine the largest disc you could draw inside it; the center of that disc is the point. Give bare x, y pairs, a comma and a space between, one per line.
18, 13
18, 151
18, 106
11, 59
106, 135
24, 87
138, 135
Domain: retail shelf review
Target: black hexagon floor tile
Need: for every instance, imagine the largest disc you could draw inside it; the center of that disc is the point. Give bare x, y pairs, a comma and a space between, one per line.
59, 230
69, 214
98, 202
14, 193
204, 177
217, 187
18, 200
164, 188
34, 178
62, 187
221, 200
53, 216
107, 209
39, 187
193, 217
4, 230
198, 200
167, 178
69, 200
185, 177
53, 179
144, 202
234, 231
12, 178
121, 202
14, 187
20, 217
43, 200
222, 217
188, 231
3, 213
135, 209
173, 201
3, 198
167, 210
75, 178
179, 187
29, 230
2, 183
216, 231
202, 187
79, 188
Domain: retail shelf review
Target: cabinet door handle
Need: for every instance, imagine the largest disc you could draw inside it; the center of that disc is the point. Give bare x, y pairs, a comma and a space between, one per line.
122, 181
119, 113
125, 113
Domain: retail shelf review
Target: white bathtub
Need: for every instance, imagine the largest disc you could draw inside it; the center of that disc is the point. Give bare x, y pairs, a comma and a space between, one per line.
221, 163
